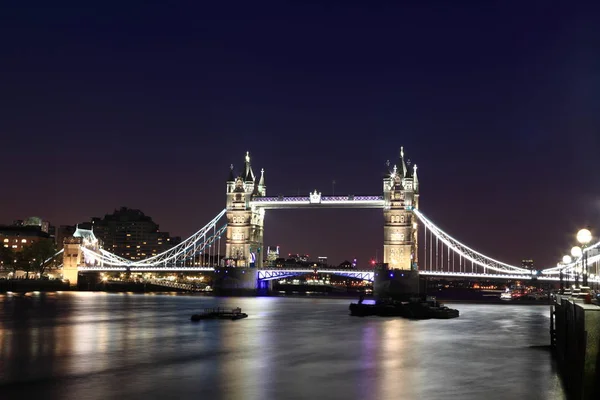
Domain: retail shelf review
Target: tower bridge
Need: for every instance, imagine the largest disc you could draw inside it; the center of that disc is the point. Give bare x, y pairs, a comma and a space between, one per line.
412, 244
247, 203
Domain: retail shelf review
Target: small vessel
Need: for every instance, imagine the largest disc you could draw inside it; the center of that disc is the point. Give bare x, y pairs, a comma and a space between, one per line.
220, 313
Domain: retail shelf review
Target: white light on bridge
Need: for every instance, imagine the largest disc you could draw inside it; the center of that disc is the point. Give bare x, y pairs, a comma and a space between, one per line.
584, 236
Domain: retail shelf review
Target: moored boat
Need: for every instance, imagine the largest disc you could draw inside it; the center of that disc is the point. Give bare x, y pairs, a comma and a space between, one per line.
220, 313
414, 309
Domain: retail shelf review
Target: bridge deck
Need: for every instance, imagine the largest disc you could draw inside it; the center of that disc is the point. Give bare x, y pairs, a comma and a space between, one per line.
273, 273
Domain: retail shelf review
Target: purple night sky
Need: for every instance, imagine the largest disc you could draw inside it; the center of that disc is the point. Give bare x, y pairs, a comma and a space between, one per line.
109, 104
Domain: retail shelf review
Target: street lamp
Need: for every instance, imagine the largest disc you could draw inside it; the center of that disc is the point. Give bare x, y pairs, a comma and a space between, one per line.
566, 260
576, 253
584, 236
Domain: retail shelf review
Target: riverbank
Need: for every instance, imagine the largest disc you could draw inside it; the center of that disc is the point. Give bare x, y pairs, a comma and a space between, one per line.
32, 285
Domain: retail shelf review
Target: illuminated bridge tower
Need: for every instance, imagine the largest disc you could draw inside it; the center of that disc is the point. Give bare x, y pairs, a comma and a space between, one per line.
401, 196
245, 224
73, 257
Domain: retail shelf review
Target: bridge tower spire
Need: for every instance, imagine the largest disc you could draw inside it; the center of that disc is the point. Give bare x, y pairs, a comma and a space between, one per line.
400, 229
262, 188
402, 163
245, 224
248, 173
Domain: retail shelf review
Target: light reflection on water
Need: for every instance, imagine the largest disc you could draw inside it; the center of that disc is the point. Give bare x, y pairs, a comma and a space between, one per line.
101, 346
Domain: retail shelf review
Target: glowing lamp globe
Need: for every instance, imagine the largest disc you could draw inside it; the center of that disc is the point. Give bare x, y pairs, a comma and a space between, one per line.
566, 260
576, 252
584, 236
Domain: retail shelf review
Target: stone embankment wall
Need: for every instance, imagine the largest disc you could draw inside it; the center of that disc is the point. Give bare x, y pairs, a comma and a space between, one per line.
576, 339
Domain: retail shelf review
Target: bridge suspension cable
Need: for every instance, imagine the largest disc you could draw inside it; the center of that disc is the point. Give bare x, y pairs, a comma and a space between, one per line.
185, 251
464, 252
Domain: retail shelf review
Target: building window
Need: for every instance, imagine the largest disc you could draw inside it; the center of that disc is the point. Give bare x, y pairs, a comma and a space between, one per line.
402, 219
238, 236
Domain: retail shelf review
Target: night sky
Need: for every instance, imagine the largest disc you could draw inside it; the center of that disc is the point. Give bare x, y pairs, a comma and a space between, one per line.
139, 104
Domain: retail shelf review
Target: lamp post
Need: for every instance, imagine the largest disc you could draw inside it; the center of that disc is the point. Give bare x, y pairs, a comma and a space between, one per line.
576, 253
584, 236
566, 260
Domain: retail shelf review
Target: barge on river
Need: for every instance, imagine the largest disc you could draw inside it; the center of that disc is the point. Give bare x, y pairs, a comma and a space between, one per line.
220, 313
413, 309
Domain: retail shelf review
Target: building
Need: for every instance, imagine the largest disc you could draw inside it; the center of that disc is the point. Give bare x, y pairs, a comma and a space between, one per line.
33, 221
272, 255
23, 233
62, 232
299, 258
130, 233
527, 264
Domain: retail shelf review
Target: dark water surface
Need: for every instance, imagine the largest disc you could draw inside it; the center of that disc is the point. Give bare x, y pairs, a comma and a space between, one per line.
128, 346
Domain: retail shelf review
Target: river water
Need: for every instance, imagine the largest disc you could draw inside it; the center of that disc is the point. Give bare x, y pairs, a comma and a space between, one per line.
130, 346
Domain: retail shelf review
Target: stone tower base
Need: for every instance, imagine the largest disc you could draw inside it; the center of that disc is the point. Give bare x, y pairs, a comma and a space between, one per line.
235, 281
396, 283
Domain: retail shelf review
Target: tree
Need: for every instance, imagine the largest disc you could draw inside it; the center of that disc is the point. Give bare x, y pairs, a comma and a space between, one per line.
7, 258
13, 260
39, 256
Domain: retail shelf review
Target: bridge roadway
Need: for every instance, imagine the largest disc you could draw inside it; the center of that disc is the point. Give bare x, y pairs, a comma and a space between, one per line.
279, 273
263, 273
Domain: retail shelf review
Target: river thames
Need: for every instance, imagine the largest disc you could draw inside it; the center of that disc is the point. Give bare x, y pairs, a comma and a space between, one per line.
129, 346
